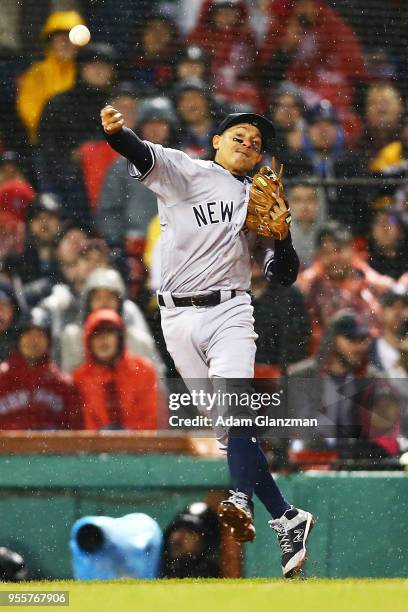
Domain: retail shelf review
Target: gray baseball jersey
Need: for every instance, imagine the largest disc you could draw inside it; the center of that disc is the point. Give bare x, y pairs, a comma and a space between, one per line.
202, 209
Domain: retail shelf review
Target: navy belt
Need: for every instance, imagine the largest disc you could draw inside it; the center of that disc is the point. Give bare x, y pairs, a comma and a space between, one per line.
211, 299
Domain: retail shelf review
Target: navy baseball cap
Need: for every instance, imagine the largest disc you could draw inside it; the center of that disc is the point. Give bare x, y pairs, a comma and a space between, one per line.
264, 125
324, 111
351, 327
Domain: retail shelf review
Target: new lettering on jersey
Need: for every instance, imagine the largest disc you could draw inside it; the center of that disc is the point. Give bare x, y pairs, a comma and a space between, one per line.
202, 245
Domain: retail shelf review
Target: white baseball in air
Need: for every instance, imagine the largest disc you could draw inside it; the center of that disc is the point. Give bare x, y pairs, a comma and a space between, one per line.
79, 35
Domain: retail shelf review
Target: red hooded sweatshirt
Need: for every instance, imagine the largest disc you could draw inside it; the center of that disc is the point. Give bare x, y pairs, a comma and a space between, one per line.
37, 397
328, 58
121, 396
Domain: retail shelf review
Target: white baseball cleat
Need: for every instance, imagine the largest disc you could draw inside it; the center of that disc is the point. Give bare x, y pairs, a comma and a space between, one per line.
293, 529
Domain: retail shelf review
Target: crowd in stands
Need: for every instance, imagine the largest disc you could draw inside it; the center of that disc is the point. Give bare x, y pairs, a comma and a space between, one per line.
81, 345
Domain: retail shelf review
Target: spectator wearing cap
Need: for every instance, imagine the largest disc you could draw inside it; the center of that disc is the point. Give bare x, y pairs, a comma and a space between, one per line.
332, 386
10, 313
16, 195
191, 547
387, 247
323, 139
11, 167
195, 110
70, 119
322, 153
96, 156
126, 206
339, 278
384, 350
50, 76
157, 121
34, 394
191, 65
104, 288
119, 390
38, 262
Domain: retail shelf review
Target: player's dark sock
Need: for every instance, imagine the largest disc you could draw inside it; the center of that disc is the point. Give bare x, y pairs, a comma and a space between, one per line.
267, 490
242, 456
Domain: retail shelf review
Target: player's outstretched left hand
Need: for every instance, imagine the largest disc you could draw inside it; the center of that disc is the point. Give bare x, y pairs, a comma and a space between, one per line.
112, 120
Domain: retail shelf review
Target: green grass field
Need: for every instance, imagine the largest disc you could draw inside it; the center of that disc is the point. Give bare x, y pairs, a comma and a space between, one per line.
249, 595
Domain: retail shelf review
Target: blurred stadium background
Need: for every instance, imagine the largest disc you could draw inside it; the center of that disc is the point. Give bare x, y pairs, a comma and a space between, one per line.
78, 236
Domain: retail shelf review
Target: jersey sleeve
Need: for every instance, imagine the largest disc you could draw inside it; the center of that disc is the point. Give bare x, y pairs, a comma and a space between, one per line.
170, 174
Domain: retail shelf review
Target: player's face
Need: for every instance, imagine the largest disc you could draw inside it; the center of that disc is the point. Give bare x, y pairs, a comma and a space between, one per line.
239, 148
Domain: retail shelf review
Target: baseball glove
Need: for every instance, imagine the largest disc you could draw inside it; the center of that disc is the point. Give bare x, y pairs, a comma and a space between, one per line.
268, 210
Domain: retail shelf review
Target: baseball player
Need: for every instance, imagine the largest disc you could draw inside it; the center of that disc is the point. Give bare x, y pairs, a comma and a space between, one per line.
206, 310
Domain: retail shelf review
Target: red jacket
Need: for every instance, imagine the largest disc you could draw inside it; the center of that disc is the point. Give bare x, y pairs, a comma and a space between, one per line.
231, 52
325, 296
124, 395
326, 62
37, 397
96, 159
